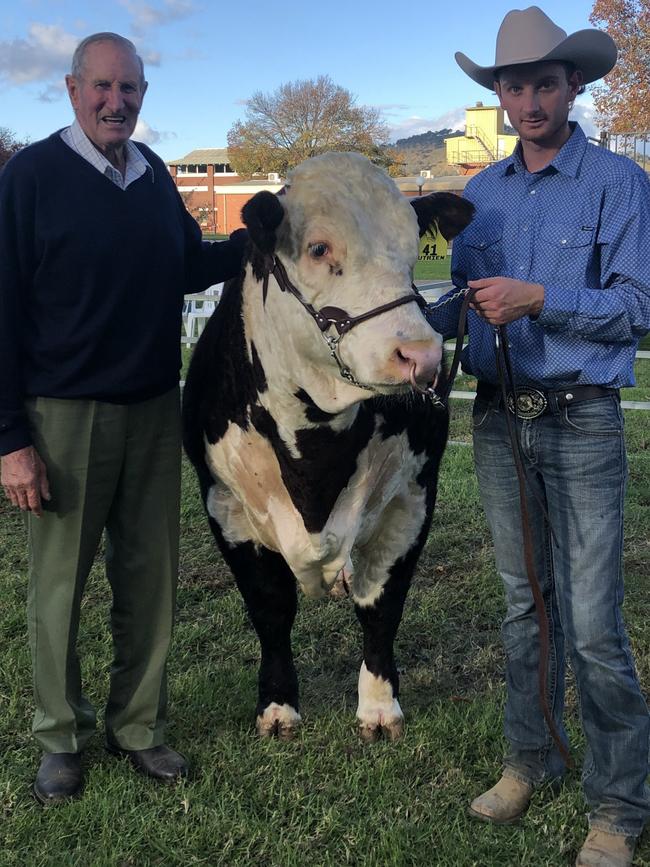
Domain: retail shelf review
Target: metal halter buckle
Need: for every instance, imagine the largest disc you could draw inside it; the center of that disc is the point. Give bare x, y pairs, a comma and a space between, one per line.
531, 402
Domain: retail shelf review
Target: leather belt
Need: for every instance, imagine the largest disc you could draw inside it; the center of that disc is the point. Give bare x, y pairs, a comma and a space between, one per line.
533, 402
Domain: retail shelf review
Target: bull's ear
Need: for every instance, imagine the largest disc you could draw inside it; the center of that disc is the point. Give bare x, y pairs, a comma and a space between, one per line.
446, 211
262, 215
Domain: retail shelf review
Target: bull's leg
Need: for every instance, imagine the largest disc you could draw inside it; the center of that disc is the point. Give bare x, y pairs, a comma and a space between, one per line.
269, 590
379, 613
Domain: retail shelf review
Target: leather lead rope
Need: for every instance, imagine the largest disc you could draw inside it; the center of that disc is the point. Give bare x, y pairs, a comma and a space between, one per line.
507, 384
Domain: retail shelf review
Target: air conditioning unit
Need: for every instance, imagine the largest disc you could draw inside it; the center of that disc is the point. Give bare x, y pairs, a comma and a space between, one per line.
273, 177
425, 173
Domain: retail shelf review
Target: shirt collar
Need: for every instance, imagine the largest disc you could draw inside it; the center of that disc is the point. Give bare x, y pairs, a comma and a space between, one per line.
566, 161
136, 162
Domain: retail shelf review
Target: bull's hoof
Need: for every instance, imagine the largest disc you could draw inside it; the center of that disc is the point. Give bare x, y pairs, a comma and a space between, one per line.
281, 721
390, 731
379, 713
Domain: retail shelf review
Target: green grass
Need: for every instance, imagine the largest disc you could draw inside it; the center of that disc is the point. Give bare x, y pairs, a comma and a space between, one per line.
323, 799
432, 270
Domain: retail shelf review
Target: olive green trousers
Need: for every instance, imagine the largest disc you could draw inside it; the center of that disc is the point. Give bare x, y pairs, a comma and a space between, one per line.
112, 467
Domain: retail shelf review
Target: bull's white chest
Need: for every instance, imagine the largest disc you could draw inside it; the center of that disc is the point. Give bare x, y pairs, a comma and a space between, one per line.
375, 519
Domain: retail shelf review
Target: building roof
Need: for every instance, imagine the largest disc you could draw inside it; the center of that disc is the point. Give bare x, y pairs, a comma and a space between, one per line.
202, 156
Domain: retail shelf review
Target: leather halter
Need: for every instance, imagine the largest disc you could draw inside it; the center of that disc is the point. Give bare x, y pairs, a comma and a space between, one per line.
327, 317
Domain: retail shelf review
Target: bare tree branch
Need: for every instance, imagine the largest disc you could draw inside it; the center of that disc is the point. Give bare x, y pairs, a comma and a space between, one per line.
302, 119
9, 145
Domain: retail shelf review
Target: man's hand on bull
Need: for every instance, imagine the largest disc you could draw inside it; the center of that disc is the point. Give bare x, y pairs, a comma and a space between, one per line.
24, 479
500, 300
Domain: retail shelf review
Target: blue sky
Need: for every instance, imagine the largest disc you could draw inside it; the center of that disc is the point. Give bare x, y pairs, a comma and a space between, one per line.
204, 59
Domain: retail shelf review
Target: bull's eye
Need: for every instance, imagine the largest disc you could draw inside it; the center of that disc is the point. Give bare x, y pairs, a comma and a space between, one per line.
318, 250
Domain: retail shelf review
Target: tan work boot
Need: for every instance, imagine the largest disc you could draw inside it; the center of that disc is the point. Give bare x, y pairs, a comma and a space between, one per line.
606, 850
502, 804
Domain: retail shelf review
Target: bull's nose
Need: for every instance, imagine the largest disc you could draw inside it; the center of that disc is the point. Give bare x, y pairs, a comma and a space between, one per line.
424, 355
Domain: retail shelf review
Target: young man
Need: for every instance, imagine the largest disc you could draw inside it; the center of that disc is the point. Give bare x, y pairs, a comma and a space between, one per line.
96, 251
559, 251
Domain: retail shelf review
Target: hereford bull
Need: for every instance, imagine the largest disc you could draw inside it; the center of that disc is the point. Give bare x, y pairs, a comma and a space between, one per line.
314, 457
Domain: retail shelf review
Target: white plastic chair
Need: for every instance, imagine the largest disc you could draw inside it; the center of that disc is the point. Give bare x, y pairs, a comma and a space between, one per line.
195, 316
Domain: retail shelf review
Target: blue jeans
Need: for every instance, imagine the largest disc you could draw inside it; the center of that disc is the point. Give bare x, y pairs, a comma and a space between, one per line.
576, 462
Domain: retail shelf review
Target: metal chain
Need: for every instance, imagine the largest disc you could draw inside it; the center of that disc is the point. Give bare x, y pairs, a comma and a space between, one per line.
441, 303
333, 344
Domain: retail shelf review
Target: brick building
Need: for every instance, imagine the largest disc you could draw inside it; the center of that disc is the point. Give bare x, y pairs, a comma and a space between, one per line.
213, 193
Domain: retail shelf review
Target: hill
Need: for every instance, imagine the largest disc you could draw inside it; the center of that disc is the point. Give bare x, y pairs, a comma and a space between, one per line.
426, 151
429, 139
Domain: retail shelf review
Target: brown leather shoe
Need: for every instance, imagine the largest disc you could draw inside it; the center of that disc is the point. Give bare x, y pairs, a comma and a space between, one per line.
602, 849
161, 763
502, 804
59, 778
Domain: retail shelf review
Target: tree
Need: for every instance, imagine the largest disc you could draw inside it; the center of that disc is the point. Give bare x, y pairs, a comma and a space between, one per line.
302, 119
623, 99
8, 145
396, 162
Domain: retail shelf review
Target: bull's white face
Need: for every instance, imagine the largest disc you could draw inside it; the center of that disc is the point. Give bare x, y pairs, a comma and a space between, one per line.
349, 239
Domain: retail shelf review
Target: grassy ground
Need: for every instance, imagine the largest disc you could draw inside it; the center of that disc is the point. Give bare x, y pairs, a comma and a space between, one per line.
324, 799
432, 270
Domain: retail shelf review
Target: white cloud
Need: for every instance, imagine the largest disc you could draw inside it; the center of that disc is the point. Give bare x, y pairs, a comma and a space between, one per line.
454, 119
45, 52
147, 134
146, 16
391, 107
45, 55
149, 58
52, 93
585, 113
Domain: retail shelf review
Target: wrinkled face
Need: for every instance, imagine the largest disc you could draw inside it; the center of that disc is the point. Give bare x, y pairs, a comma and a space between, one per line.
538, 98
108, 95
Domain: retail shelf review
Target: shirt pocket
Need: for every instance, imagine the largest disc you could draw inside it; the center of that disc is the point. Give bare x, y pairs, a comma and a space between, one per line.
566, 250
483, 250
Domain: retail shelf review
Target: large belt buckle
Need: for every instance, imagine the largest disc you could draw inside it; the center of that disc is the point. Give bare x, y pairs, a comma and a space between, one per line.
531, 402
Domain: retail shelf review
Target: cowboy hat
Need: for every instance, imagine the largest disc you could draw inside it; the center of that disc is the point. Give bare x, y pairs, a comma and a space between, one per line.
529, 36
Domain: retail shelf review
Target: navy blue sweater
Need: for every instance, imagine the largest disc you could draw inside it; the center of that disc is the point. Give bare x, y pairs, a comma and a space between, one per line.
92, 280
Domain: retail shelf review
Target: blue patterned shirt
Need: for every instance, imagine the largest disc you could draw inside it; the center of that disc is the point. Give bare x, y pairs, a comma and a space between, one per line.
581, 228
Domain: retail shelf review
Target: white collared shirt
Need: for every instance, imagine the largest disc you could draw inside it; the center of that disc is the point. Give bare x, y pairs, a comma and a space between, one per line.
136, 164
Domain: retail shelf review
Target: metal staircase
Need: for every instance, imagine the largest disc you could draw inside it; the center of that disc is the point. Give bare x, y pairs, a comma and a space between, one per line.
474, 131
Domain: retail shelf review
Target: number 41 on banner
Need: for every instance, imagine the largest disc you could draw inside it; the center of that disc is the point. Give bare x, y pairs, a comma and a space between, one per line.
432, 247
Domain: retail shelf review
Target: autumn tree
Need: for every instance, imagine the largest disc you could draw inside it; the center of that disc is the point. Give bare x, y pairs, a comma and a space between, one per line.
9, 145
302, 119
622, 100
396, 162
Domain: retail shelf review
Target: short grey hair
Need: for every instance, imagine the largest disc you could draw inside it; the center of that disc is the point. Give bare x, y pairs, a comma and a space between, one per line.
79, 55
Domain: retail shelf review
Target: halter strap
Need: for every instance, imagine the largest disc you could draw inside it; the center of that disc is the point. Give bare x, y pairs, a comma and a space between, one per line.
336, 316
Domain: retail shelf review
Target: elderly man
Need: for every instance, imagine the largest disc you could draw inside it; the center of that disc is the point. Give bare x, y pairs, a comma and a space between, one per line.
96, 252
558, 250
